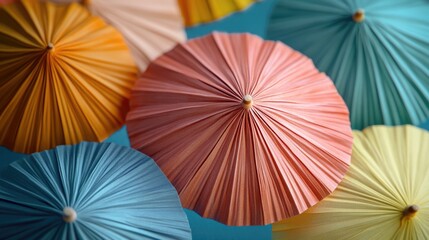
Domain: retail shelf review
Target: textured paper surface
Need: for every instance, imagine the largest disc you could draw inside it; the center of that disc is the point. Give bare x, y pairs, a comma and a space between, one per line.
241, 167
379, 65
76, 91
389, 172
2, 2
149, 27
117, 193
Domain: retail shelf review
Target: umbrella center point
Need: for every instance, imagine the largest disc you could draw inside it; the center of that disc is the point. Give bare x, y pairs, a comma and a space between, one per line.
247, 101
50, 46
359, 15
410, 211
69, 215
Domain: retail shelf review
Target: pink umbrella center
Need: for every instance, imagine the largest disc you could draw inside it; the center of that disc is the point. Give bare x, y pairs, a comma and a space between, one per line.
247, 101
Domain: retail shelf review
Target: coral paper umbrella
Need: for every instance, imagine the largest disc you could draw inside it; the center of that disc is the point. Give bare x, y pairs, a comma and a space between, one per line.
150, 27
65, 76
195, 12
3, 2
384, 195
89, 191
376, 52
248, 131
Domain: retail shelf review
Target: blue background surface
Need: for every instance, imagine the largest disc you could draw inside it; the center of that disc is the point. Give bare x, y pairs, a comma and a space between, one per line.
253, 20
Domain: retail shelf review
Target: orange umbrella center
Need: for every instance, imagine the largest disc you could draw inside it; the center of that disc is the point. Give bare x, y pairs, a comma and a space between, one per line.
359, 15
50, 46
247, 101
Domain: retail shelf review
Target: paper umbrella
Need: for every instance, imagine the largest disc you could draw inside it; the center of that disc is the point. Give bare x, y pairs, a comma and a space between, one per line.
376, 52
384, 195
3, 2
89, 191
248, 131
150, 27
65, 76
195, 12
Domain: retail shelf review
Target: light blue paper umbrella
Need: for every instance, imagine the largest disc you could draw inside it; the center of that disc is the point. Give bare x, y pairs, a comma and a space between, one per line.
89, 191
377, 53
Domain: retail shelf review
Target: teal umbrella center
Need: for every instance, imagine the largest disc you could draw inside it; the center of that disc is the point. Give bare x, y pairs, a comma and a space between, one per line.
69, 215
359, 16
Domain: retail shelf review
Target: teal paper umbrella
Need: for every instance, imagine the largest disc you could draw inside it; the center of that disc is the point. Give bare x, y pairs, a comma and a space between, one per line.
376, 52
89, 191
425, 125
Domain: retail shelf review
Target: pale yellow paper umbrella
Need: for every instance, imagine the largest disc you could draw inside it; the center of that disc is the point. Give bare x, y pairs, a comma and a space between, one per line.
150, 27
384, 195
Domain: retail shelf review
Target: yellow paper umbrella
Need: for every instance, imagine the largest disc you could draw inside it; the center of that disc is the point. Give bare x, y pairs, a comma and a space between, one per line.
65, 76
384, 195
202, 11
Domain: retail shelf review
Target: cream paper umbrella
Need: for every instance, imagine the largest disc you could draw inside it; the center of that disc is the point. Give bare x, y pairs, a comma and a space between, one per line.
150, 27
384, 195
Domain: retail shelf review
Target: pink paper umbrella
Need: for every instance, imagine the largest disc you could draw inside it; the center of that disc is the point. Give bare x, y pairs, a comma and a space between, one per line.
248, 131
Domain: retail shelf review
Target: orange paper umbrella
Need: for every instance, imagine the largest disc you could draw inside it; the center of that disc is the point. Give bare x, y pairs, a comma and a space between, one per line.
203, 11
150, 27
248, 131
65, 76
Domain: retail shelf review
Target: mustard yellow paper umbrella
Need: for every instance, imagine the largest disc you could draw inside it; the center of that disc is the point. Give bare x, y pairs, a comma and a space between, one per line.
65, 76
384, 195
203, 11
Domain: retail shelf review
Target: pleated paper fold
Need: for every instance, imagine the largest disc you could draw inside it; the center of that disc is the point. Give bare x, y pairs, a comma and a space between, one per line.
65, 76
248, 131
384, 195
376, 52
89, 191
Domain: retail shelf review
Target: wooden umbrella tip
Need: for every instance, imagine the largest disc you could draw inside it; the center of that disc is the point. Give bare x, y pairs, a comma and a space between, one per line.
69, 214
50, 46
359, 15
411, 210
247, 101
